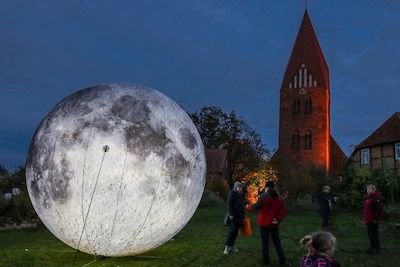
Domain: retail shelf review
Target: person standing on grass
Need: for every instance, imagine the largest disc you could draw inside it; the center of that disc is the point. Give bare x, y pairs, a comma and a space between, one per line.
372, 217
320, 247
236, 212
325, 202
271, 212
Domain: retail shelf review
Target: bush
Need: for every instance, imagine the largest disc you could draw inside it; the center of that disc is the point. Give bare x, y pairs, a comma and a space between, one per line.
23, 206
302, 203
209, 199
19, 207
301, 183
392, 211
217, 184
353, 186
255, 181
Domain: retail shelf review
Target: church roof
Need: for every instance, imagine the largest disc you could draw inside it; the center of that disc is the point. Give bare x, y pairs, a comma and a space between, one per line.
388, 132
307, 53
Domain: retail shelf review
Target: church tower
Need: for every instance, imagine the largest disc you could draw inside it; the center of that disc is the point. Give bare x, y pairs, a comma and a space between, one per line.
304, 115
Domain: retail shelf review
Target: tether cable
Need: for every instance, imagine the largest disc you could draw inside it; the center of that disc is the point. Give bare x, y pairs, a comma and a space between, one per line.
118, 199
106, 148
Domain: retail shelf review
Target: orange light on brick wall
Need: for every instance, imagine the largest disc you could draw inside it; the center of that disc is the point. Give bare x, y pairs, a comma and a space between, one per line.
328, 133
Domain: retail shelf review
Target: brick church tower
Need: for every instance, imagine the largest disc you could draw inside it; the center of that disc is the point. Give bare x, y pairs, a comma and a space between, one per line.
304, 121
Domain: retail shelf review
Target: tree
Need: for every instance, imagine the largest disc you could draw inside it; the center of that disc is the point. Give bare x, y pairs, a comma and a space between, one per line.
222, 130
3, 171
257, 180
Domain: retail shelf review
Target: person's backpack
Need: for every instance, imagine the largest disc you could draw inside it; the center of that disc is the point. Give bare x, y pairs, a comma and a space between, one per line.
377, 209
316, 261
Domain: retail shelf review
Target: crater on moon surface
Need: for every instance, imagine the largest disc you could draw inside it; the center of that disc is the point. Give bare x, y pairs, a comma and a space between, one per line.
187, 138
112, 201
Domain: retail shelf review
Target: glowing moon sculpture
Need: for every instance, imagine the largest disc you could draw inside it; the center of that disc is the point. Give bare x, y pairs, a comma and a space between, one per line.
116, 169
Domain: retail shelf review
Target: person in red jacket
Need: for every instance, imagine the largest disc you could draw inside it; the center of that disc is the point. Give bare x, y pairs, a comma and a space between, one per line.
372, 217
271, 212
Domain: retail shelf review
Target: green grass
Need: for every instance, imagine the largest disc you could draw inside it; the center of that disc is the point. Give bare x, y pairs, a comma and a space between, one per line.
201, 243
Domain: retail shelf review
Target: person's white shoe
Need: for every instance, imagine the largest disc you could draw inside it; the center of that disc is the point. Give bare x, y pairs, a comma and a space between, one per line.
235, 250
227, 250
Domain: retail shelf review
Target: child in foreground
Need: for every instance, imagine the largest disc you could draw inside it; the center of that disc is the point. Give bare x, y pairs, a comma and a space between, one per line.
320, 247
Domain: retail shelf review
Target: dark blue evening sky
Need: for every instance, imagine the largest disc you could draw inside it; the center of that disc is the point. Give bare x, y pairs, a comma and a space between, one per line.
210, 52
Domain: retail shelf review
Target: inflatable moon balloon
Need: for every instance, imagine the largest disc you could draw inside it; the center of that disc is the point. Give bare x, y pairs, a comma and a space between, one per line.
116, 169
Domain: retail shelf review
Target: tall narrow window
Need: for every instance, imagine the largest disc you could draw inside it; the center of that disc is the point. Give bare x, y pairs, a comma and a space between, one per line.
397, 151
296, 106
308, 106
296, 140
308, 141
365, 156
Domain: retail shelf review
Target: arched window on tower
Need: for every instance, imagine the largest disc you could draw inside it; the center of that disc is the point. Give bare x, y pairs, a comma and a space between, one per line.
296, 106
296, 140
308, 106
308, 140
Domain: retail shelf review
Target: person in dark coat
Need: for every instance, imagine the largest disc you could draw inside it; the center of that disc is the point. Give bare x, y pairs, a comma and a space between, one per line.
272, 210
325, 202
372, 217
236, 212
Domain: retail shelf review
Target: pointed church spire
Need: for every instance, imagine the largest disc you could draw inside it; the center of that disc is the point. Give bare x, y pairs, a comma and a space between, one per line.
307, 66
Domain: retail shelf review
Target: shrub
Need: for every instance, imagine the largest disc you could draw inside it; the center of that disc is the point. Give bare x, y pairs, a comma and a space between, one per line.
353, 186
299, 183
217, 184
19, 207
304, 202
257, 180
392, 211
209, 199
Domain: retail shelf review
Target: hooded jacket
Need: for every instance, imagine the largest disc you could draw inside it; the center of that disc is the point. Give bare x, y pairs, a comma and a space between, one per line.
270, 206
373, 208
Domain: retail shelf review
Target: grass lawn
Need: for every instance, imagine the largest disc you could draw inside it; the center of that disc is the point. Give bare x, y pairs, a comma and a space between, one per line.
201, 243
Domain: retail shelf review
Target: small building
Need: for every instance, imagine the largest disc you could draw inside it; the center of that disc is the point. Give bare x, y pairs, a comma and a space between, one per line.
381, 149
217, 161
